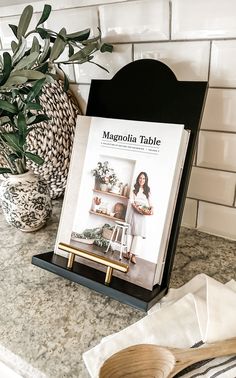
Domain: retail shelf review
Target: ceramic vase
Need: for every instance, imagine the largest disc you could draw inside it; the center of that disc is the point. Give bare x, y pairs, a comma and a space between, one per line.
103, 187
25, 201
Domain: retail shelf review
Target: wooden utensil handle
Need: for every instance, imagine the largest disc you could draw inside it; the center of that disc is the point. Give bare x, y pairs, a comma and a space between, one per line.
187, 357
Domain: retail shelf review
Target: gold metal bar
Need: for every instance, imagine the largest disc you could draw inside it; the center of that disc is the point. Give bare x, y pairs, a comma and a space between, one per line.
94, 257
71, 259
108, 275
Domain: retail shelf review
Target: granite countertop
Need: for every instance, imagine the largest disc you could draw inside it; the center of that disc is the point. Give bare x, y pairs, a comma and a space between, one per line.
49, 322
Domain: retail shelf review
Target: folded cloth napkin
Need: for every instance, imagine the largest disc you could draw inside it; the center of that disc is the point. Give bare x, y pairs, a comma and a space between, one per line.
203, 310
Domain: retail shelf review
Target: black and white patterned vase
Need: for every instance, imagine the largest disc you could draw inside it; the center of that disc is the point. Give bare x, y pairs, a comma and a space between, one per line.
25, 201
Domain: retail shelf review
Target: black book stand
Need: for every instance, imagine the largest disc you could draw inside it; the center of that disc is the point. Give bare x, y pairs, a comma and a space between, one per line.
145, 90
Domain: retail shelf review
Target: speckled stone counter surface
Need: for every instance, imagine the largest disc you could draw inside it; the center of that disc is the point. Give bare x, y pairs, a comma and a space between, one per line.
49, 322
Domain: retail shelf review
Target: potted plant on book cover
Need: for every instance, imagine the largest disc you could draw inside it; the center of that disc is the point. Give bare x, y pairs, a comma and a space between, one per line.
105, 176
24, 72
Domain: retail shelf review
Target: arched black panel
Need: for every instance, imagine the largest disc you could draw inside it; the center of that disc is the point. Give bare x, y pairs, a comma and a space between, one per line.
145, 90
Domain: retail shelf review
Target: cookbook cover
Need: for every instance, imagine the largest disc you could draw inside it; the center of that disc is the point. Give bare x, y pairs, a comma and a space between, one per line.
121, 192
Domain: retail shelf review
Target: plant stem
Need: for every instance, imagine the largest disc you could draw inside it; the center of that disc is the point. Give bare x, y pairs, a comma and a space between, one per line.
11, 166
20, 166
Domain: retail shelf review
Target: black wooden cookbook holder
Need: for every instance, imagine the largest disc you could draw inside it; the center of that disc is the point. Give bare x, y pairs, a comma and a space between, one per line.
145, 90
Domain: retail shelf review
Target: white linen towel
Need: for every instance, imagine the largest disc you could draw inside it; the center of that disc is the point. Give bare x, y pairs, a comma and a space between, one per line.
203, 310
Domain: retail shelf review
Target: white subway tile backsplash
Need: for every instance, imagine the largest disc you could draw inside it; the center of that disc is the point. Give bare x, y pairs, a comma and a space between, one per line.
121, 55
213, 186
12, 10
217, 150
9, 10
74, 19
203, 19
190, 213
188, 60
223, 62
217, 220
220, 110
144, 20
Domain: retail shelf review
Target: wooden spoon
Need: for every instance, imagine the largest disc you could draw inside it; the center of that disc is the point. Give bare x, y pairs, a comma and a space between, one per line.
148, 360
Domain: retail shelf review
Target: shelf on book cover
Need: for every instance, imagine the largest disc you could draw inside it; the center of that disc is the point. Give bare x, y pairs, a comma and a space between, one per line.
109, 193
106, 216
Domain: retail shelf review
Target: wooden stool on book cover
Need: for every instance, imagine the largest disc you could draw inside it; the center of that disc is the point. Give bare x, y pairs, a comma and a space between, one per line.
120, 228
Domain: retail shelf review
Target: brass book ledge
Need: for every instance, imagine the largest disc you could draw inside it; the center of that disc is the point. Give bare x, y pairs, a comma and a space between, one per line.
110, 264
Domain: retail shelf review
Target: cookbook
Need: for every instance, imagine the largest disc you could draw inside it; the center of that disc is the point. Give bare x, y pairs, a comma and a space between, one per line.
121, 193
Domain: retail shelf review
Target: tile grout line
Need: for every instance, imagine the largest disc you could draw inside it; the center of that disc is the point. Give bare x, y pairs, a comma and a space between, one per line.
211, 202
170, 20
218, 131
209, 63
214, 169
234, 200
197, 215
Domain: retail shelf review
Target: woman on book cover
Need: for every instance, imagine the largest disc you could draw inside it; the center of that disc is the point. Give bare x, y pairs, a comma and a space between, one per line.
139, 206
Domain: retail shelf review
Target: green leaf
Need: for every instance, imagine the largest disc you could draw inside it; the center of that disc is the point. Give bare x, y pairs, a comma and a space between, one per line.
46, 12
71, 50
35, 45
35, 158
42, 32
21, 124
7, 65
15, 80
14, 29
35, 90
84, 52
99, 65
106, 47
46, 50
62, 33
24, 22
57, 48
50, 78
40, 118
4, 170
5, 105
66, 83
33, 106
43, 68
27, 61
29, 74
13, 142
14, 46
91, 40
79, 61
29, 121
20, 52
78, 36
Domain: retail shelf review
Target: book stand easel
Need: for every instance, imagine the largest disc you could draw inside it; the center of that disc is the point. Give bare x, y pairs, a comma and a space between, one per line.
145, 90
